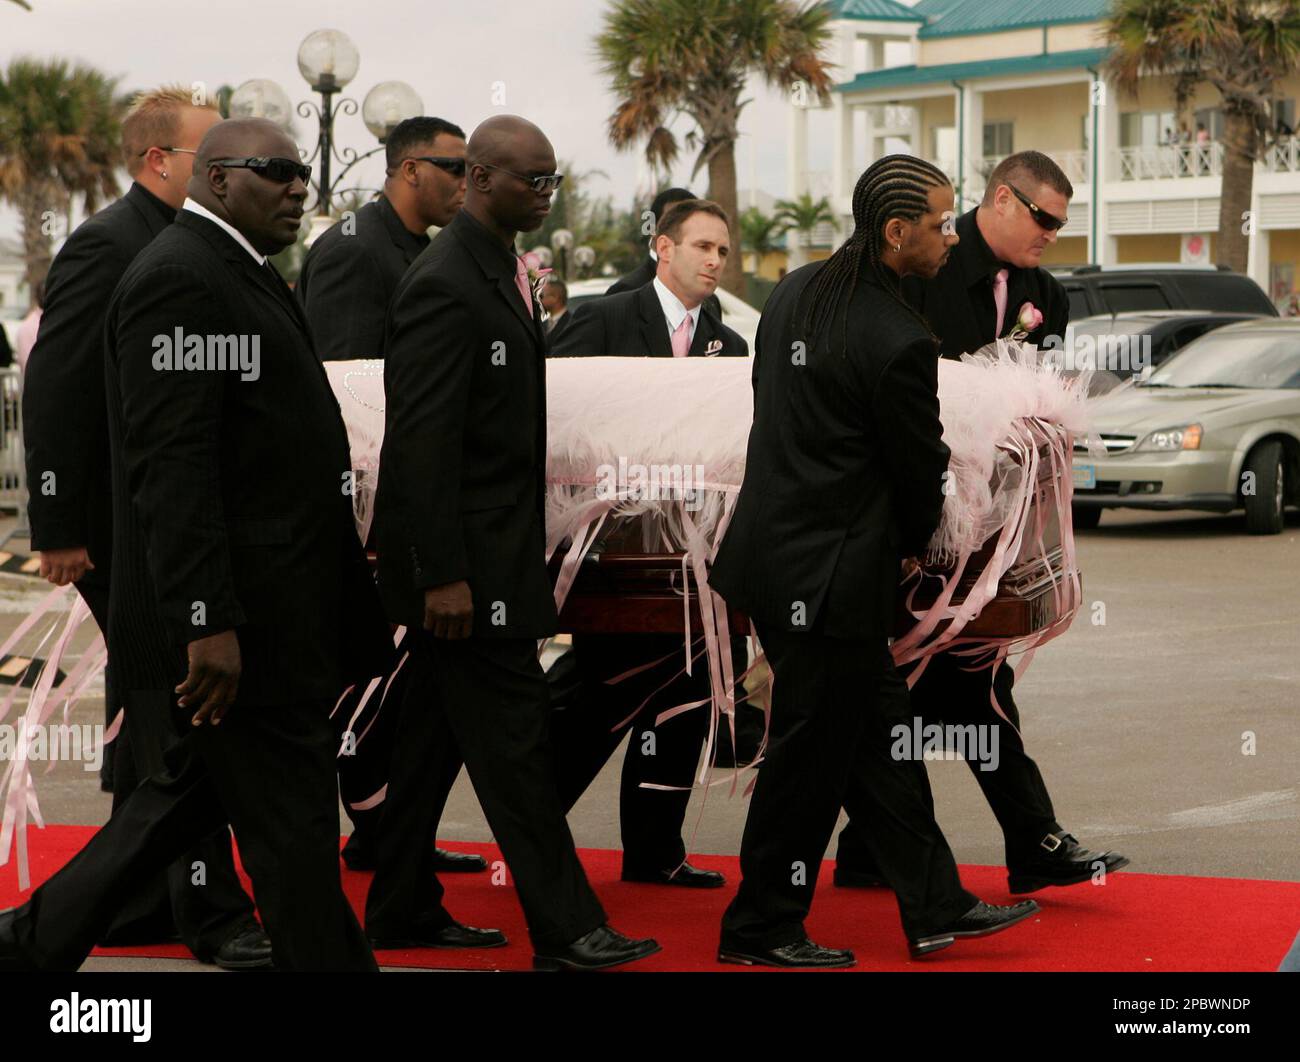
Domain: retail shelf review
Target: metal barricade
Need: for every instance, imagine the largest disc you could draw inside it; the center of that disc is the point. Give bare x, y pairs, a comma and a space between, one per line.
13, 463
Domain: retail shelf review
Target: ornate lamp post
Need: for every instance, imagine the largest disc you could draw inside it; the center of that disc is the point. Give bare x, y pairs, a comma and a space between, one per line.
562, 241
328, 61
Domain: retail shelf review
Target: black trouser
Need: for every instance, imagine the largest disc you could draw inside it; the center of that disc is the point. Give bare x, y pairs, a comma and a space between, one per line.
947, 694
587, 732
268, 770
93, 588
364, 772
206, 916
492, 694
834, 705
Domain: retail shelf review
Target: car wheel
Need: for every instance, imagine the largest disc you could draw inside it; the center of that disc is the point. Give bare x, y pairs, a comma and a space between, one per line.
1265, 507
1085, 518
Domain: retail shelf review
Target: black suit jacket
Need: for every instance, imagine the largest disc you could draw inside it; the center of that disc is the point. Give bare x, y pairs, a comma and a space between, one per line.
958, 302
231, 500
348, 279
844, 469
65, 424
643, 274
462, 472
632, 324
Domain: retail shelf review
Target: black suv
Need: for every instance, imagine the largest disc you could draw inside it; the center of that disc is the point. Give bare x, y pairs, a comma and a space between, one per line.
1122, 289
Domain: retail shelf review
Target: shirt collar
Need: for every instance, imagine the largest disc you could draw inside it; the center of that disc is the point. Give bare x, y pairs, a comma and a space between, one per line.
978, 262
412, 243
166, 212
231, 231
674, 311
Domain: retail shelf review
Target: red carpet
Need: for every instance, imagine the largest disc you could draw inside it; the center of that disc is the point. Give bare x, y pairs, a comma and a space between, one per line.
1134, 922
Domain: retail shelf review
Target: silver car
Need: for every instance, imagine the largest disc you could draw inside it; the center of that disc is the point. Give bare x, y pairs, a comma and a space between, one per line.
1216, 428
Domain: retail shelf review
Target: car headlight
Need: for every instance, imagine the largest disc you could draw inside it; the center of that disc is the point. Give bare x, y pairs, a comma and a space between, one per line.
1186, 437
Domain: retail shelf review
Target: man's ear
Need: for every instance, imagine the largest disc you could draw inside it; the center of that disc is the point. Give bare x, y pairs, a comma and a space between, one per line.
663, 246
480, 176
896, 230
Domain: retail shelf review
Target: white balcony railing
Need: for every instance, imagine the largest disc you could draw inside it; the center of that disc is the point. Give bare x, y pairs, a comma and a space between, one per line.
1170, 161
1282, 157
1076, 164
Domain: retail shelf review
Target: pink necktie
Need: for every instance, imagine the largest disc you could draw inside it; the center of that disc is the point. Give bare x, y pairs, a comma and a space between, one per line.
1000, 298
521, 282
682, 338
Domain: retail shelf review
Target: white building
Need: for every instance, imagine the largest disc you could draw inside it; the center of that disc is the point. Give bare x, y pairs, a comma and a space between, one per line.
966, 82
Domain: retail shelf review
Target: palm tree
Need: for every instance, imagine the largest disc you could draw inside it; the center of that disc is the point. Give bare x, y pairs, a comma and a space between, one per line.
1242, 48
23, 4
759, 233
60, 139
666, 58
803, 215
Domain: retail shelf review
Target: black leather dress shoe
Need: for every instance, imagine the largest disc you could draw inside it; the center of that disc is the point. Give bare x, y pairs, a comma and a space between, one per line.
600, 949
12, 957
802, 954
248, 948
452, 936
685, 875
846, 878
445, 862
359, 854
982, 920
1060, 860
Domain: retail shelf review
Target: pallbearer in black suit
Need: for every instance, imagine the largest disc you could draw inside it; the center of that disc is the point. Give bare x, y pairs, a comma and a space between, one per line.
973, 300
70, 506
649, 267
352, 270
459, 520
843, 479
238, 579
345, 286
665, 318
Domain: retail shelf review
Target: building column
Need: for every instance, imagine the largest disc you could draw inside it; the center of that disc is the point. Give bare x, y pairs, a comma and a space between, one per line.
970, 145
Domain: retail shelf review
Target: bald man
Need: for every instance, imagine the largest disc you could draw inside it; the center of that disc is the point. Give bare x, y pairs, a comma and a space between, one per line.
241, 600
459, 525
65, 431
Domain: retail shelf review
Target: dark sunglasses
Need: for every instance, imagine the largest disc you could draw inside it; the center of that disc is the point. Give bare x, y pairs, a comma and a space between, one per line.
280, 170
1047, 221
549, 183
454, 166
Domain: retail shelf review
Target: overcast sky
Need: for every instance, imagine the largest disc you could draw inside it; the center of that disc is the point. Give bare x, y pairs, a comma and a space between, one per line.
451, 53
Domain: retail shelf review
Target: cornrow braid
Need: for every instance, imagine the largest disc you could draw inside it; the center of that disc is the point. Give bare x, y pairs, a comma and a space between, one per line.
896, 186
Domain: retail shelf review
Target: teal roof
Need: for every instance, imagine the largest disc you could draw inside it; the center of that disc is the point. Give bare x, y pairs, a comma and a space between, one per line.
950, 18
901, 76
875, 10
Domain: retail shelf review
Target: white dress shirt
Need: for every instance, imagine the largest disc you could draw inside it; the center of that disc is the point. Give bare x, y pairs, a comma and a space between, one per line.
674, 311
235, 234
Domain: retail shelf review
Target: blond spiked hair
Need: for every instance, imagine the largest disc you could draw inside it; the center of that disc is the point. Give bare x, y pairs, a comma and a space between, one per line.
153, 120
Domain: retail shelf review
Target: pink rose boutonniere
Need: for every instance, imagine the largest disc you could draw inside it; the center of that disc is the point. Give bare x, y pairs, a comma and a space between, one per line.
536, 274
1028, 319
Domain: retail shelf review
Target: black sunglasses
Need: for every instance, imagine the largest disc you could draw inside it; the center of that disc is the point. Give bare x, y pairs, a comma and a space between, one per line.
1047, 221
454, 166
548, 183
273, 169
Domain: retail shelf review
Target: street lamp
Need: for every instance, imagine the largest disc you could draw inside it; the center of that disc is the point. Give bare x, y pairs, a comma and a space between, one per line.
584, 258
562, 240
328, 61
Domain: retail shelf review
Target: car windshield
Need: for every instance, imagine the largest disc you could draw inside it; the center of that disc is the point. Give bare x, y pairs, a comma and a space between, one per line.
1265, 360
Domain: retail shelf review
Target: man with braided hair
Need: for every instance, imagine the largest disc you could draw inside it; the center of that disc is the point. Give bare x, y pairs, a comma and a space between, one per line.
843, 480
974, 300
